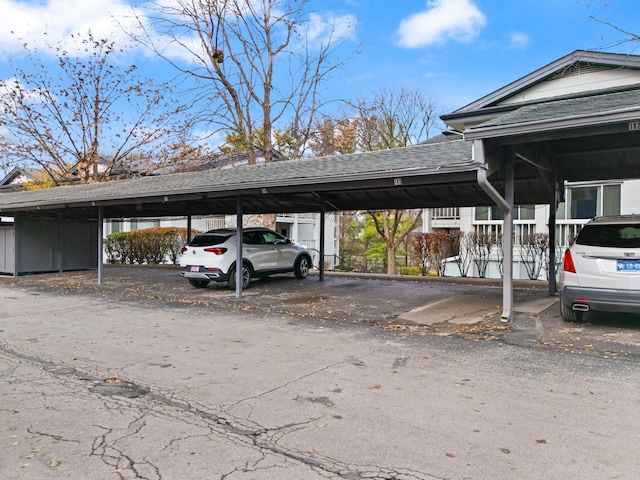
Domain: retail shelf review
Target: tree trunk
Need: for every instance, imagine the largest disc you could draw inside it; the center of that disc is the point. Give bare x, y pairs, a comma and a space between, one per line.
391, 259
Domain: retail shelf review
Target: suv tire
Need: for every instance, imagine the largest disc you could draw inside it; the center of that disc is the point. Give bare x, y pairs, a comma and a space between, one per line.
302, 267
246, 277
199, 283
569, 315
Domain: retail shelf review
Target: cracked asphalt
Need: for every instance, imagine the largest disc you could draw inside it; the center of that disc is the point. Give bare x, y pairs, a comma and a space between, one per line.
145, 377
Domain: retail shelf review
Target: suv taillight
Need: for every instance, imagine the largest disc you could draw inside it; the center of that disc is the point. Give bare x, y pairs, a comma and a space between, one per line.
215, 250
568, 265
184, 249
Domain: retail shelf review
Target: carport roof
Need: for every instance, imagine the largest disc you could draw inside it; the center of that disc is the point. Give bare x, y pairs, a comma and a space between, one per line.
440, 174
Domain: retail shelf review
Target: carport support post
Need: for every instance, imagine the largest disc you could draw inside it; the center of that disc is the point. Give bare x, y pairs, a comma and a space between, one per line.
239, 235
507, 238
100, 246
553, 205
321, 259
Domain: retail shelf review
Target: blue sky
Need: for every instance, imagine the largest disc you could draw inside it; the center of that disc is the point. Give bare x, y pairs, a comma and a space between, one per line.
455, 50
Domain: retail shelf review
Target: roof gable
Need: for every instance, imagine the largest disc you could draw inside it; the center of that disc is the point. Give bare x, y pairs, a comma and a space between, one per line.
579, 74
618, 69
15, 178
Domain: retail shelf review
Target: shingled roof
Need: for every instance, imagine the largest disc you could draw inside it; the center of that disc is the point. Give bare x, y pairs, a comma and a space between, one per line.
573, 112
416, 176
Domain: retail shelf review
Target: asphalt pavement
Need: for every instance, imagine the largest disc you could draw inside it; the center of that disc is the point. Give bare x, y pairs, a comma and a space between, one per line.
145, 377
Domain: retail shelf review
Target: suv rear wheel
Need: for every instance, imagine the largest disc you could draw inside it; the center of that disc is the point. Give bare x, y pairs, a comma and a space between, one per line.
569, 315
199, 283
246, 277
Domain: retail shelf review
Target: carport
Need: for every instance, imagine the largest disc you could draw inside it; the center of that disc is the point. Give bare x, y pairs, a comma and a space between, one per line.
510, 154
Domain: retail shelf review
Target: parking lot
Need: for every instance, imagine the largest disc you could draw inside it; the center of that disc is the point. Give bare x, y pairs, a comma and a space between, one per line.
145, 377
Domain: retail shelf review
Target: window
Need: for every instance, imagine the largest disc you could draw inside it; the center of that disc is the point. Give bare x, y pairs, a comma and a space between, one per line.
520, 212
252, 238
140, 224
116, 226
272, 238
590, 201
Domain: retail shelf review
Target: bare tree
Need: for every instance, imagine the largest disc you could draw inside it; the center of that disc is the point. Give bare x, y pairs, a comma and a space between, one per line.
83, 119
393, 118
624, 35
258, 64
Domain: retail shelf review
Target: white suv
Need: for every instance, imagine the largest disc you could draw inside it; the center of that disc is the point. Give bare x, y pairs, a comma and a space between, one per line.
601, 270
211, 256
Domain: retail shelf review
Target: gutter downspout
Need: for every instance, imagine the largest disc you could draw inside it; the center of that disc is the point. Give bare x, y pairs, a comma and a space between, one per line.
507, 237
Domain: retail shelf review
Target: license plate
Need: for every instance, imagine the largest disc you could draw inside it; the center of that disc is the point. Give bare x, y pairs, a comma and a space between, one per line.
628, 266
195, 269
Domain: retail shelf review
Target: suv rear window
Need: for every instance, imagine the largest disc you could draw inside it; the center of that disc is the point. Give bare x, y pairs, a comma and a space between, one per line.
619, 235
207, 240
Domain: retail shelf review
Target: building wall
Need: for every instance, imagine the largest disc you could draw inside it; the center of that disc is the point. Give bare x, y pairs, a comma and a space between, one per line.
463, 219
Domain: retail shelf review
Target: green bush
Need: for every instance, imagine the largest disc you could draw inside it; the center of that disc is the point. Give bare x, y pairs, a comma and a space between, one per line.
410, 271
151, 245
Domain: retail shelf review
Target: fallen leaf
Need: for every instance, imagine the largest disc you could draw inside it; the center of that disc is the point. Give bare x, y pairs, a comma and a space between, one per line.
541, 441
450, 455
505, 450
54, 463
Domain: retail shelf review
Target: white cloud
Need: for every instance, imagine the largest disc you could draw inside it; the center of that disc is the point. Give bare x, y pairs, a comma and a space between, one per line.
458, 20
518, 40
338, 28
44, 24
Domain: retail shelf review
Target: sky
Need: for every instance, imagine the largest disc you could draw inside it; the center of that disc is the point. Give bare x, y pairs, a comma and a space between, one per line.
456, 51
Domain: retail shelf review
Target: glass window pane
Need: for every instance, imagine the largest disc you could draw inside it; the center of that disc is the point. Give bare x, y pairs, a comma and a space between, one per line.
527, 212
497, 213
611, 200
584, 202
482, 213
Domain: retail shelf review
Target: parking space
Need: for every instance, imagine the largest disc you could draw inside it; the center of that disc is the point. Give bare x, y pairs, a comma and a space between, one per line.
439, 306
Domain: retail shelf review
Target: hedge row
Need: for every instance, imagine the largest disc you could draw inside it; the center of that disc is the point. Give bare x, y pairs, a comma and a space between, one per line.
151, 245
